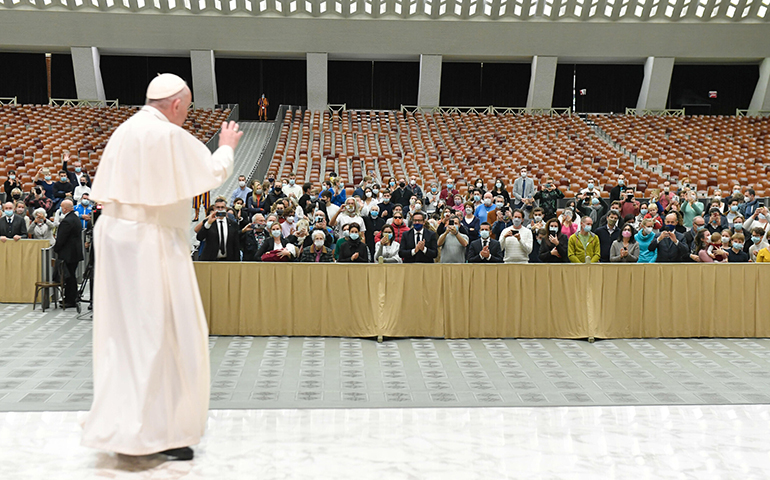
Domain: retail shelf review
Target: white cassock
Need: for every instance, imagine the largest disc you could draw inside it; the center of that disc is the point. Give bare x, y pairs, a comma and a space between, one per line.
150, 338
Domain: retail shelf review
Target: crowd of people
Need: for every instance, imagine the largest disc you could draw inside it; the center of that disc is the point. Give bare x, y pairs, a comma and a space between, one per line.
393, 220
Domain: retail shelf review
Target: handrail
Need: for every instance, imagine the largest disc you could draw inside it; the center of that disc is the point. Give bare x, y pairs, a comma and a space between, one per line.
665, 112
751, 113
490, 110
263, 163
80, 102
9, 101
337, 108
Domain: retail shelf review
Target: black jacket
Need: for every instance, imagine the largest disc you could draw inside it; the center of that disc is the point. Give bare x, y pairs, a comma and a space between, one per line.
250, 244
605, 240
69, 246
211, 237
668, 252
60, 190
17, 226
254, 206
474, 250
546, 246
426, 256
351, 247
268, 246
401, 196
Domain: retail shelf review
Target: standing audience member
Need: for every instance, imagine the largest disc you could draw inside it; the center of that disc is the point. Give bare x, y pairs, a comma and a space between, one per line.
516, 241
485, 249
69, 251
625, 249
276, 248
41, 228
12, 225
471, 223
253, 236
736, 253
553, 249
763, 255
317, 252
386, 250
62, 189
453, 242
11, 183
241, 191
669, 243
583, 246
221, 234
523, 191
758, 242
354, 250
644, 237
608, 234
418, 245
548, 196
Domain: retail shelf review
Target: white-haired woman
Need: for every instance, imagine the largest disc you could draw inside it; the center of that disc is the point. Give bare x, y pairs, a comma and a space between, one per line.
41, 228
349, 213
317, 252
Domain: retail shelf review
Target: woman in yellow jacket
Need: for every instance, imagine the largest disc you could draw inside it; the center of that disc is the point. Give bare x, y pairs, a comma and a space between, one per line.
763, 256
583, 246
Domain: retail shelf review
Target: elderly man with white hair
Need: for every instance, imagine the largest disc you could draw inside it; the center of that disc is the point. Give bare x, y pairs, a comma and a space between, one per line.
150, 340
41, 228
317, 252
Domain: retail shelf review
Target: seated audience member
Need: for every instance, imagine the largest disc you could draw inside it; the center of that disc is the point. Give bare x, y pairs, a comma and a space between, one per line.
758, 241
485, 249
471, 223
354, 250
373, 223
736, 254
419, 244
386, 249
452, 242
644, 237
221, 234
625, 249
608, 233
669, 243
317, 252
516, 241
253, 236
41, 228
344, 234
583, 246
276, 248
763, 255
319, 219
538, 236
12, 226
553, 248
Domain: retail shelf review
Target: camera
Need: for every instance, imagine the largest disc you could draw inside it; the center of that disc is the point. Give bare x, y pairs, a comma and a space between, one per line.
221, 214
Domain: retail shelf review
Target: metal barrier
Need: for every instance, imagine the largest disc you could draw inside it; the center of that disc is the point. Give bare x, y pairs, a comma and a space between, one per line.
490, 110
8, 101
751, 113
260, 169
666, 112
69, 102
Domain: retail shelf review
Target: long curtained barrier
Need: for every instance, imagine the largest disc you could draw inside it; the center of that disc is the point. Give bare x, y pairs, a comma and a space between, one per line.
487, 301
20, 269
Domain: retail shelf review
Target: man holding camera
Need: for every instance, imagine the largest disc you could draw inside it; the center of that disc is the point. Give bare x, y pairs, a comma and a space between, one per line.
669, 243
221, 235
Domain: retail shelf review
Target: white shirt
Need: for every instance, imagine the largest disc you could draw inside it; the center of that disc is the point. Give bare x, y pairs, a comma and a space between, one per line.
80, 190
516, 250
295, 189
220, 222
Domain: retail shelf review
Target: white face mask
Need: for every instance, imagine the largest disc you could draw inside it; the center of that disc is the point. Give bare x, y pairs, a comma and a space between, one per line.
499, 204
647, 230
318, 243
487, 201
241, 184
368, 194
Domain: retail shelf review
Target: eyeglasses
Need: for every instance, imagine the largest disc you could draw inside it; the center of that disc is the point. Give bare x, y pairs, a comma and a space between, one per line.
397, 218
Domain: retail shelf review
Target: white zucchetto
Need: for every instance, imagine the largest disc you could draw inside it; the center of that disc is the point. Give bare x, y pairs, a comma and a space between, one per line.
164, 86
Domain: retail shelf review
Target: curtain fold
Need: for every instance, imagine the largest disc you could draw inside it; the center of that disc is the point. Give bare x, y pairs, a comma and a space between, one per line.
20, 269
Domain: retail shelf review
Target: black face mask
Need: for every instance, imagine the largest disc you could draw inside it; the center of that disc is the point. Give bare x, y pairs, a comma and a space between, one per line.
402, 184
16, 197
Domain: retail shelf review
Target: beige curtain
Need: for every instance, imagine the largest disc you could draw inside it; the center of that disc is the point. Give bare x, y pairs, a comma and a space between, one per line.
487, 301
20, 269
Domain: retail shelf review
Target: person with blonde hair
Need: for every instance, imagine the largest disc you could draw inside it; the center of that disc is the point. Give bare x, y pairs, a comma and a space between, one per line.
41, 228
350, 212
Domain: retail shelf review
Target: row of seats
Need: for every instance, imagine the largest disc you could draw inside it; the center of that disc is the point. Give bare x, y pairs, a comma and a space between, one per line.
459, 146
36, 136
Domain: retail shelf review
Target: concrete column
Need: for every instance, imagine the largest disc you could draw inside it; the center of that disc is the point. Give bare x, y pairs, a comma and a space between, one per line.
429, 92
541, 82
657, 80
204, 78
761, 99
88, 77
317, 81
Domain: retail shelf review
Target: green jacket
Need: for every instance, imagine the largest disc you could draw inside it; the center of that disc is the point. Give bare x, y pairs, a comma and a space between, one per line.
577, 253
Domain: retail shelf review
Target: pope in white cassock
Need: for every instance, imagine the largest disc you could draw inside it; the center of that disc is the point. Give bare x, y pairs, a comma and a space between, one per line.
150, 338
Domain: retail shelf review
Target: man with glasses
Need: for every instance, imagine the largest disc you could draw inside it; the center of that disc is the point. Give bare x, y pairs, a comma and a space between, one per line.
419, 243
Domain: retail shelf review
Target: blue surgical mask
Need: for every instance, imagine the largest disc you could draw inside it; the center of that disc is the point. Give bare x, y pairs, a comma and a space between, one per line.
594, 201
587, 228
390, 236
48, 178
738, 245
484, 234
292, 182
762, 216
643, 211
269, 223
433, 189
78, 169
450, 186
733, 208
417, 227
345, 234
738, 226
753, 238
670, 228
319, 219
354, 236
374, 213
392, 184
8, 213
590, 186
275, 233
477, 198
85, 202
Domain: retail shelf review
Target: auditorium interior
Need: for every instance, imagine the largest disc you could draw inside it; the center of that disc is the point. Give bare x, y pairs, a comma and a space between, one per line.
596, 353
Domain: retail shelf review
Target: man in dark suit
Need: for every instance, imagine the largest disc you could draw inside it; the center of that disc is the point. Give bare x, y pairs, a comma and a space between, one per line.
11, 226
221, 234
485, 249
669, 243
69, 250
418, 245
607, 234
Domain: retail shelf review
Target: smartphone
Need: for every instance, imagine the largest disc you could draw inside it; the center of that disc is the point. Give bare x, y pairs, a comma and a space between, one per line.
221, 214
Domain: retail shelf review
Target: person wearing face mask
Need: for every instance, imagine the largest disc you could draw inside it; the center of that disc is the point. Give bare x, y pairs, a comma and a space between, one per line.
625, 249
221, 234
291, 189
458, 205
368, 200
751, 203
415, 205
366, 182
503, 220
84, 186
41, 228
239, 213
486, 206
757, 243
354, 250
644, 237
763, 254
69, 251
736, 226
499, 190
317, 251
617, 190
15, 195
590, 191
548, 197
325, 204
516, 241
607, 235
485, 249
523, 190
732, 212
691, 207
77, 177
10, 183
758, 219
307, 201
499, 204
344, 235
470, 222
386, 250
669, 243
553, 248
399, 225
583, 246
11, 225
257, 201
62, 188
402, 194
319, 223
276, 248
349, 213
698, 224
717, 222
44, 180
449, 191
253, 236
386, 206
242, 191
666, 196
735, 254
480, 185
84, 209
415, 188
418, 245
339, 194
569, 225
537, 220
431, 199
300, 235
452, 242
594, 207
20, 209
372, 223
275, 195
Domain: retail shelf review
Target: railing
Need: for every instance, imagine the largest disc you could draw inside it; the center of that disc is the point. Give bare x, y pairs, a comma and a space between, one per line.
234, 116
260, 169
68, 102
666, 112
751, 113
8, 101
337, 108
490, 110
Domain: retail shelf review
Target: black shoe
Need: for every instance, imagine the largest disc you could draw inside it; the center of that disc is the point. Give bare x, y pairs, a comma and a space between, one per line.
184, 453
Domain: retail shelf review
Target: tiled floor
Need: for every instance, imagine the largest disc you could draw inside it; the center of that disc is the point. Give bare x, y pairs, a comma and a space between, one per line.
45, 364
636, 442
